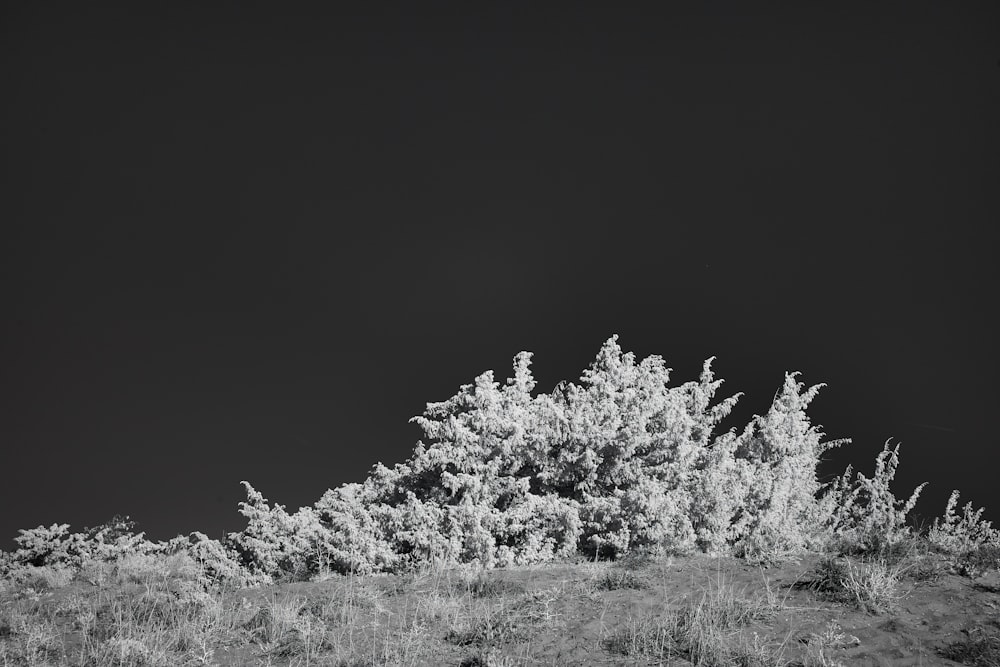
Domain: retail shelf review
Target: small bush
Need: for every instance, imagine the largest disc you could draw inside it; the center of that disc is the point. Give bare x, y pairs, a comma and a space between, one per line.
979, 561
619, 579
864, 515
872, 586
927, 568
820, 646
482, 585
957, 534
220, 566
492, 625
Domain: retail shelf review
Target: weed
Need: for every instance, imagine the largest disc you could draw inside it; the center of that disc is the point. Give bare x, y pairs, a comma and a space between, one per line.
927, 569
820, 646
979, 560
699, 631
483, 585
871, 586
490, 626
617, 580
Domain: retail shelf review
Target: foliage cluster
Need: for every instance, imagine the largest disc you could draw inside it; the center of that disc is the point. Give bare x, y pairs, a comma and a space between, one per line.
619, 463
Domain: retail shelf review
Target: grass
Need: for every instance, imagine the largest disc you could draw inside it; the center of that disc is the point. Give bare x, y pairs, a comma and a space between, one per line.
695, 610
821, 647
618, 580
872, 585
698, 631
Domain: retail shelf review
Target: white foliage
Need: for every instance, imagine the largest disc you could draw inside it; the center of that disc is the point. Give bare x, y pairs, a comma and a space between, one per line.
721, 485
958, 534
275, 541
55, 544
221, 565
625, 446
773, 476
618, 462
865, 513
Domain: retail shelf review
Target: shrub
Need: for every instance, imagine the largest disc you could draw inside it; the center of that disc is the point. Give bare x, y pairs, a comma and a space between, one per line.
114, 539
56, 545
625, 447
979, 560
48, 546
865, 516
274, 543
956, 534
722, 484
354, 521
462, 498
221, 566
779, 512
617, 463
871, 585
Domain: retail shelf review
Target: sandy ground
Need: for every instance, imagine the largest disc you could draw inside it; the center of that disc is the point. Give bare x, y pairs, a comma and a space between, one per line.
582, 613
578, 619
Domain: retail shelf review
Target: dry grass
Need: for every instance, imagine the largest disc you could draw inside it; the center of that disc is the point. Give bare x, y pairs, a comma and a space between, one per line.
872, 585
702, 631
685, 611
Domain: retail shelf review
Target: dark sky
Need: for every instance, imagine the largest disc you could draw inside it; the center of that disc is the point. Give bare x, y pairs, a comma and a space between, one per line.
250, 241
